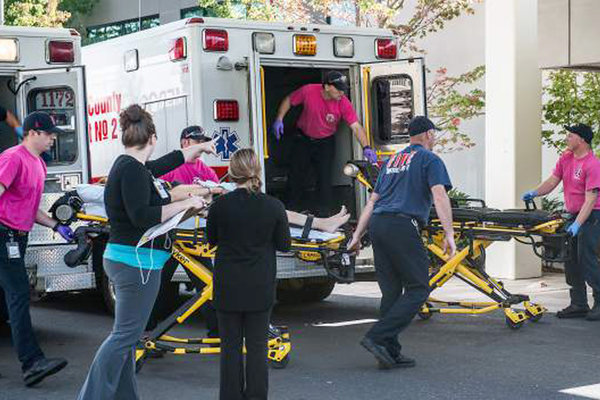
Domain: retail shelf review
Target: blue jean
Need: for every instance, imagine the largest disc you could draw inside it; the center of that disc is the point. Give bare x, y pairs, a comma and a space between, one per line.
14, 282
583, 267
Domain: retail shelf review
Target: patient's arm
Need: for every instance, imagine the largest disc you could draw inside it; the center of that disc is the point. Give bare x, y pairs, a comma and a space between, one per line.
181, 192
330, 224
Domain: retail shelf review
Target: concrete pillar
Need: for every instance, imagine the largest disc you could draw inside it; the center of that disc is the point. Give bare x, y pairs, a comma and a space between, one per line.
513, 123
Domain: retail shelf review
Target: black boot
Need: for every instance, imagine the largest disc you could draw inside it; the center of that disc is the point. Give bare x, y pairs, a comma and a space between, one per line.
43, 368
381, 353
573, 311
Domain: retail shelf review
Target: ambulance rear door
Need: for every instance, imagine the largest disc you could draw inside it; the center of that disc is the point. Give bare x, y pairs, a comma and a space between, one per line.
60, 93
257, 113
392, 93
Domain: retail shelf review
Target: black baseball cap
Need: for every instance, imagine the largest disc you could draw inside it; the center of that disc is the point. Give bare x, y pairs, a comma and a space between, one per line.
420, 124
194, 132
583, 130
338, 80
40, 121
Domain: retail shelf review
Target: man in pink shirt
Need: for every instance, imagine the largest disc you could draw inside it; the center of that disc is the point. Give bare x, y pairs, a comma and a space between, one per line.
579, 170
22, 176
324, 105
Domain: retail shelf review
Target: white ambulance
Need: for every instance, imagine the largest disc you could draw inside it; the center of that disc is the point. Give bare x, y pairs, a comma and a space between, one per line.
229, 76
40, 69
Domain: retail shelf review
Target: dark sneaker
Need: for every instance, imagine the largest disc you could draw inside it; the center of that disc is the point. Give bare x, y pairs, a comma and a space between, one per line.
573, 311
594, 314
380, 352
43, 368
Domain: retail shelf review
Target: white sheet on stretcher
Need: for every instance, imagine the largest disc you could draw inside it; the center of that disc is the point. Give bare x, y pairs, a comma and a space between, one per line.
296, 233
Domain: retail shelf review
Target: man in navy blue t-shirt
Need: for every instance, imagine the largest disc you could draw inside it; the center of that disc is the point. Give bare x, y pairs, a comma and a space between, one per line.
408, 184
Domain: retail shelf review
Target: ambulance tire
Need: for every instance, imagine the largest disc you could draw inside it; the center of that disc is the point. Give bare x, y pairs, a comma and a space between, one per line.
304, 290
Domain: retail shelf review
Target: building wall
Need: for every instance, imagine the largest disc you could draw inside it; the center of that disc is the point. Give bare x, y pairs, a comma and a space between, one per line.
107, 11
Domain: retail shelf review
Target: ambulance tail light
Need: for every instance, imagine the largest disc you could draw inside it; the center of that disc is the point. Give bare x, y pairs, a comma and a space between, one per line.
178, 50
9, 50
386, 49
305, 45
215, 40
60, 51
74, 32
226, 110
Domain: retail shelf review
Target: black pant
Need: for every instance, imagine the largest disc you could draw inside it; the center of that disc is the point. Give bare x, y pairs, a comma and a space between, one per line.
583, 266
14, 282
402, 268
237, 382
320, 154
160, 310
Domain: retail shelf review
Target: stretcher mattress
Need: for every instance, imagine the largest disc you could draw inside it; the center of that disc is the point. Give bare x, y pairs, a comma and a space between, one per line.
511, 217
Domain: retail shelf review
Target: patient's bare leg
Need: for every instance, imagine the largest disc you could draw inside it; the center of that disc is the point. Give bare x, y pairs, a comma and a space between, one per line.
330, 224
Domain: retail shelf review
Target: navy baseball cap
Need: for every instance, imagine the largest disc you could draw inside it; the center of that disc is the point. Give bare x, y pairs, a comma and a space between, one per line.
194, 132
338, 80
420, 124
40, 121
583, 130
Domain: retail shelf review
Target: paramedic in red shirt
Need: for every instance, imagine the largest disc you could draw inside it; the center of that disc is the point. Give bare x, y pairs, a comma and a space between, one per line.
324, 105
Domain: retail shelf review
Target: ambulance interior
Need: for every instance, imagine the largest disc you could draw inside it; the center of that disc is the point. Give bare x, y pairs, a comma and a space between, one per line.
58, 102
8, 100
280, 82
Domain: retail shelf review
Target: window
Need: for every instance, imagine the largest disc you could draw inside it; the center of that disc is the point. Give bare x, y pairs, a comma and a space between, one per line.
100, 33
393, 107
196, 12
59, 102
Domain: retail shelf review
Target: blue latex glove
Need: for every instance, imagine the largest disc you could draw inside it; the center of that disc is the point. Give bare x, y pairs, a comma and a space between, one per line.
370, 154
19, 132
528, 196
573, 228
278, 129
65, 231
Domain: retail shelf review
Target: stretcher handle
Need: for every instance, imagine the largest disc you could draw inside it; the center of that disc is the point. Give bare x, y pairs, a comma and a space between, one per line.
530, 205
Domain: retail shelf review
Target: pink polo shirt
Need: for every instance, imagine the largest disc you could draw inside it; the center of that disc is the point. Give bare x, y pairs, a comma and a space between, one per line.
22, 174
320, 117
578, 175
190, 173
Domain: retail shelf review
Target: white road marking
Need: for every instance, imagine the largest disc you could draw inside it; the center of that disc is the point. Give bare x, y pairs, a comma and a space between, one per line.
344, 323
590, 391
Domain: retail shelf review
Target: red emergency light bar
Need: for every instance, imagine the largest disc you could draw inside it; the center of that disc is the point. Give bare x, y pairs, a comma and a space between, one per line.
215, 40
60, 51
226, 110
179, 49
386, 49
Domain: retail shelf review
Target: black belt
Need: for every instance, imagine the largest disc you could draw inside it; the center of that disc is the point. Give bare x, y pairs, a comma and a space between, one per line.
16, 232
312, 139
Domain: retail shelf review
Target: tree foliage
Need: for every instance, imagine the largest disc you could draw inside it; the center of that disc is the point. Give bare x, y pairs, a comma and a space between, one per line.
570, 97
46, 13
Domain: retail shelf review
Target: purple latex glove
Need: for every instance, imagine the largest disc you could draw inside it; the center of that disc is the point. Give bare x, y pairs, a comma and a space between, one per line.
278, 129
370, 155
64, 231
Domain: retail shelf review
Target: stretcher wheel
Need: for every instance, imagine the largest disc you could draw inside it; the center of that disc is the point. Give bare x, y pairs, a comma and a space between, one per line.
279, 364
514, 325
425, 315
534, 318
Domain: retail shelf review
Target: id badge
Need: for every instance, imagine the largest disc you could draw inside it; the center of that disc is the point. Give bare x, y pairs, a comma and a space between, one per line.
160, 189
12, 248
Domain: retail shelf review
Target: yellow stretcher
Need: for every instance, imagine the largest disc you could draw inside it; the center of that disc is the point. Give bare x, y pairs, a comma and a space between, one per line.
476, 228
192, 251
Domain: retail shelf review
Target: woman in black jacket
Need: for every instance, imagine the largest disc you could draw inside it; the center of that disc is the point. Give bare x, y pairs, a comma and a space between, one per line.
248, 227
135, 201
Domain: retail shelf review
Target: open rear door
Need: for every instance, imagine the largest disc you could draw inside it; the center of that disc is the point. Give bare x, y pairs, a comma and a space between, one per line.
258, 127
392, 93
60, 93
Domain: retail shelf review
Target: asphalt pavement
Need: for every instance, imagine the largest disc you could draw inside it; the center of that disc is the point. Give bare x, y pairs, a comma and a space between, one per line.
457, 357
